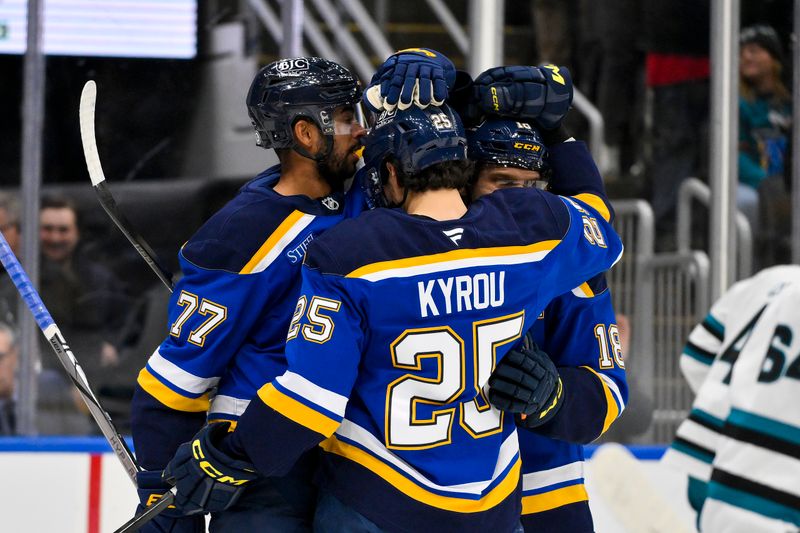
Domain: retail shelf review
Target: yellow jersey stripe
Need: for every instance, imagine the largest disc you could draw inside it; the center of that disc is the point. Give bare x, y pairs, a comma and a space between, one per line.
169, 397
546, 501
613, 410
585, 290
453, 255
411, 489
596, 203
296, 411
272, 240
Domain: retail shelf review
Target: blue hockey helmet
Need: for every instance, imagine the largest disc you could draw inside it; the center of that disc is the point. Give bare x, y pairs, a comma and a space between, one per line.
507, 143
416, 138
302, 87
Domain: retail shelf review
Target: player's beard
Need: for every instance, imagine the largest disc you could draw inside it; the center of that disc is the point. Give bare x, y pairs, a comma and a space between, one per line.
336, 169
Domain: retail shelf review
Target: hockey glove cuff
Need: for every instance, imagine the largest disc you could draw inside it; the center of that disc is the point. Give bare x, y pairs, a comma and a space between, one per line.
150, 488
542, 94
207, 479
526, 382
416, 76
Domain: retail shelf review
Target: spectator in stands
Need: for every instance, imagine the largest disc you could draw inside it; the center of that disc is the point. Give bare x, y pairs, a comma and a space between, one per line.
8, 368
9, 225
765, 117
59, 408
85, 298
677, 72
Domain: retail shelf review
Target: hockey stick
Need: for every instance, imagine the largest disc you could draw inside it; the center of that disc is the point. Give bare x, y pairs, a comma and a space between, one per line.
50, 330
74, 370
86, 111
628, 491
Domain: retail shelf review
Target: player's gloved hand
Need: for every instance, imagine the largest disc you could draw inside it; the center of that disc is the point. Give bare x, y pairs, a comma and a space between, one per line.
416, 76
207, 479
150, 488
526, 382
540, 94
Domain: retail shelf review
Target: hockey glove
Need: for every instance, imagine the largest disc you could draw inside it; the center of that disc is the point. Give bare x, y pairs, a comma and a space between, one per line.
416, 76
541, 94
151, 487
207, 480
526, 382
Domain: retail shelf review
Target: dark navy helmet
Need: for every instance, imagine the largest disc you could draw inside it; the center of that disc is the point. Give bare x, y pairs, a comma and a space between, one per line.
416, 138
301, 87
507, 143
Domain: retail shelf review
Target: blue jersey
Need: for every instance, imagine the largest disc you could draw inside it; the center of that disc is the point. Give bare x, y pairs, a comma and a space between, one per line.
579, 332
400, 322
228, 315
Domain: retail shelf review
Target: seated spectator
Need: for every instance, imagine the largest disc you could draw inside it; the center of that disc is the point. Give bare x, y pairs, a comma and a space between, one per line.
765, 112
9, 225
59, 406
86, 300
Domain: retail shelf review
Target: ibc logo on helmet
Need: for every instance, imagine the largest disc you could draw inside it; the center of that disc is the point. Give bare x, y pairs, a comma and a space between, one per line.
292, 66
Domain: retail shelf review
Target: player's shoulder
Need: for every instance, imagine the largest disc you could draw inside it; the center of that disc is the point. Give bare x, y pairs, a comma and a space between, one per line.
370, 237
535, 214
232, 235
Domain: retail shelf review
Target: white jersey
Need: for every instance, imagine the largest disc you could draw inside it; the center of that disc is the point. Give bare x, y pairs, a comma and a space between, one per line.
742, 436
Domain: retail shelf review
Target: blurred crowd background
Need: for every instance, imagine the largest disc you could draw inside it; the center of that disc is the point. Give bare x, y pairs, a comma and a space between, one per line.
176, 143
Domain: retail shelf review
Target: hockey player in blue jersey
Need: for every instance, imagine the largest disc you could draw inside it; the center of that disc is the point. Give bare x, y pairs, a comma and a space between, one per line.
402, 315
577, 331
229, 313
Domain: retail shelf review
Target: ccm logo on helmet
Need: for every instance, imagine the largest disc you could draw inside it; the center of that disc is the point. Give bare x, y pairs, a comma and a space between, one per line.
527, 146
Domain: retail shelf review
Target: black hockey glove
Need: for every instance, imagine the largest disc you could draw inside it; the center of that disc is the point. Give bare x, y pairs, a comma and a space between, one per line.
207, 480
541, 94
150, 488
526, 383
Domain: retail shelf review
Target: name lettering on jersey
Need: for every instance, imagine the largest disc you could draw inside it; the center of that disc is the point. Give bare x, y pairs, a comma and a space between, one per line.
454, 234
298, 252
455, 294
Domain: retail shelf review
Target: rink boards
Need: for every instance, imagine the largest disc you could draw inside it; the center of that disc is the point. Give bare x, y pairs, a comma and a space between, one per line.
75, 485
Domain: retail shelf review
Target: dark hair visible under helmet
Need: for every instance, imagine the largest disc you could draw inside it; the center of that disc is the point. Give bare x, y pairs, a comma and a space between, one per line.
287, 90
414, 139
507, 143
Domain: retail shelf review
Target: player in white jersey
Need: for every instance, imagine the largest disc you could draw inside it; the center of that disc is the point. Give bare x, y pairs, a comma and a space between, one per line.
740, 445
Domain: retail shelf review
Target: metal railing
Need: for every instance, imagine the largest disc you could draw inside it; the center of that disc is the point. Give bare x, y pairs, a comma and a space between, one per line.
681, 291
381, 47
694, 189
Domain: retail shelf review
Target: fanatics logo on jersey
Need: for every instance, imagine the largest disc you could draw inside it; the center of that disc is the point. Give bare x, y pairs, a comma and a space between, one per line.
454, 234
330, 203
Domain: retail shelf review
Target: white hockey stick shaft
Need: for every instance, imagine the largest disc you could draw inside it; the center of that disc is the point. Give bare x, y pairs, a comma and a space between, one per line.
627, 489
92, 156
65, 355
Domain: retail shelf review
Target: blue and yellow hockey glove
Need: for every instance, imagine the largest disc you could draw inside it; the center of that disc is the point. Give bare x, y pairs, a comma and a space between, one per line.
207, 479
415, 76
150, 488
526, 383
541, 94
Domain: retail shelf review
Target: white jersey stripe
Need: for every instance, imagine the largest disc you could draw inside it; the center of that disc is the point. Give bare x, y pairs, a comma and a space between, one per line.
301, 224
546, 478
416, 270
333, 402
180, 377
228, 405
509, 451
